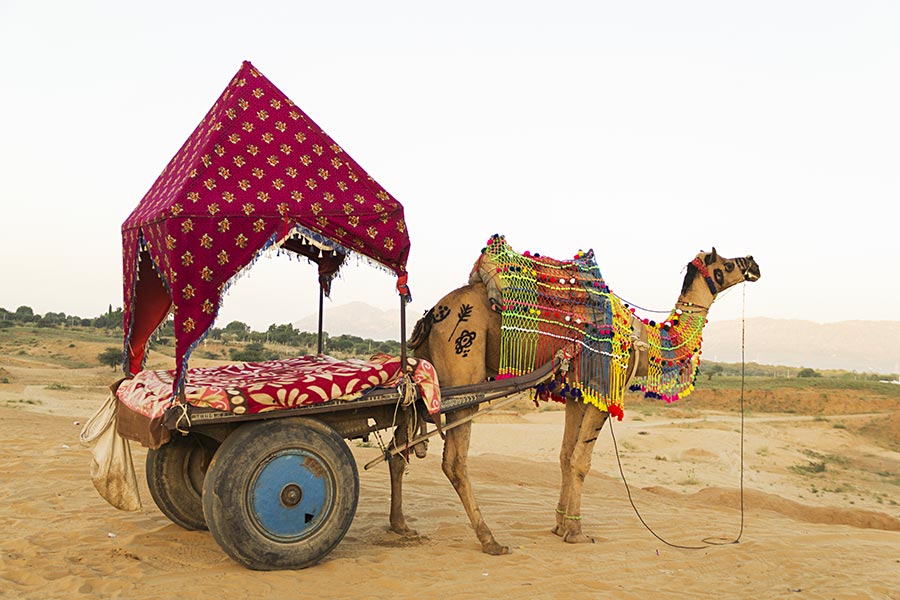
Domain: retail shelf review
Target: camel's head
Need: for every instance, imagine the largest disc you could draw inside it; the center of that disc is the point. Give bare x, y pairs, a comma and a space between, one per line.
720, 273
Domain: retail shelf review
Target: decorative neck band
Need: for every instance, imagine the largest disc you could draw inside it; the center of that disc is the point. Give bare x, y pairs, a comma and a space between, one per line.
692, 305
705, 273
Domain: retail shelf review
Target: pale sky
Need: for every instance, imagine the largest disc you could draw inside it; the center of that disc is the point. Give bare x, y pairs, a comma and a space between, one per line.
647, 131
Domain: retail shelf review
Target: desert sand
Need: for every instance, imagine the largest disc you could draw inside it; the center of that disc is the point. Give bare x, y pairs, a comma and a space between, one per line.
806, 534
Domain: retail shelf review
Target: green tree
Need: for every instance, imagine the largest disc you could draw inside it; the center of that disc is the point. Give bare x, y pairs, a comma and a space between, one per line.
51, 319
24, 314
111, 357
167, 328
237, 329
254, 352
714, 370
111, 320
282, 334
806, 372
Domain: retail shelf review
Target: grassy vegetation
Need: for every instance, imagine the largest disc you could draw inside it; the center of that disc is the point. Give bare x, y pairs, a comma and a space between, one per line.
27, 334
68, 347
689, 479
712, 369
839, 382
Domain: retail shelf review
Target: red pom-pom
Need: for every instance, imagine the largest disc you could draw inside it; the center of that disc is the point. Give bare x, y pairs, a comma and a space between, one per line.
616, 411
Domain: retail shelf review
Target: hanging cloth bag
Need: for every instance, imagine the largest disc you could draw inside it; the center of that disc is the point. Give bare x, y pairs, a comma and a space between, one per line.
112, 470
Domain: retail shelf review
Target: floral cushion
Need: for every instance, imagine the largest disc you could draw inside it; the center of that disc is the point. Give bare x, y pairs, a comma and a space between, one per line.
250, 388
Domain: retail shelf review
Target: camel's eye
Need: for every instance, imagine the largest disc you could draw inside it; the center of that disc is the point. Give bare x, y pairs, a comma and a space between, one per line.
729, 266
719, 276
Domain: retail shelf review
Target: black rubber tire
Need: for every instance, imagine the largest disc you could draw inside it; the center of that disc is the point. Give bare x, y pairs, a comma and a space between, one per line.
175, 474
247, 491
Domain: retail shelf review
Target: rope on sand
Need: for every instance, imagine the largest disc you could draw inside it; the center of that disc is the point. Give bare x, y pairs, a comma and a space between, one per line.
709, 541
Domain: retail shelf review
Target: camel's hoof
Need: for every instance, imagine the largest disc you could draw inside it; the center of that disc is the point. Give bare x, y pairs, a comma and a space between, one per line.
578, 538
494, 549
421, 449
404, 531
558, 530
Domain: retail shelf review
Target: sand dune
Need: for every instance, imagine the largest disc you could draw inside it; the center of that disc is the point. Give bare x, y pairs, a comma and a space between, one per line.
61, 540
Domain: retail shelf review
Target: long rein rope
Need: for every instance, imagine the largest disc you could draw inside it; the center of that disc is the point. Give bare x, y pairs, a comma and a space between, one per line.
709, 541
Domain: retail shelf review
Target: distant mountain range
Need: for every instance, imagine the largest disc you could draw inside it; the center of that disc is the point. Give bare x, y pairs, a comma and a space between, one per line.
863, 346
360, 319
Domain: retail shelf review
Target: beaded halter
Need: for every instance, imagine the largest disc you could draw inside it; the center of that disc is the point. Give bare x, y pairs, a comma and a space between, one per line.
551, 305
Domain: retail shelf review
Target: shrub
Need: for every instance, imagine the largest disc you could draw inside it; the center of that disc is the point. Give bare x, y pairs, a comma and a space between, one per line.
254, 352
111, 357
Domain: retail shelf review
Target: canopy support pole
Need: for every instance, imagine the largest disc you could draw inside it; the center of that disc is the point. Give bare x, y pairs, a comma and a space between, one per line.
403, 330
321, 310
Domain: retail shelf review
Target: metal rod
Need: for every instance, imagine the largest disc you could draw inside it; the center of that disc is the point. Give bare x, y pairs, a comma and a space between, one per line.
388, 454
403, 331
321, 309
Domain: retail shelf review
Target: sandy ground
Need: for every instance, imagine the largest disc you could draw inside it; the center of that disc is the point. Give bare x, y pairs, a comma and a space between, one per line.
807, 533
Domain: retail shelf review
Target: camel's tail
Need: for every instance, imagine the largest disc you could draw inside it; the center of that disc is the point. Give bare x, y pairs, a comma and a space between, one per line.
421, 331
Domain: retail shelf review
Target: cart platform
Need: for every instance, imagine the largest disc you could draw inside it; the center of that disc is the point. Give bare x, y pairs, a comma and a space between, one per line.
254, 388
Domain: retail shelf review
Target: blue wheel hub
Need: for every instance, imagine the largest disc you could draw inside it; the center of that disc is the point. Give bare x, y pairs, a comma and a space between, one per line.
290, 495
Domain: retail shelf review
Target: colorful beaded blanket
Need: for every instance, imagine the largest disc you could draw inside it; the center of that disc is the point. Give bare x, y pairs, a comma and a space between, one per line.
551, 305
251, 388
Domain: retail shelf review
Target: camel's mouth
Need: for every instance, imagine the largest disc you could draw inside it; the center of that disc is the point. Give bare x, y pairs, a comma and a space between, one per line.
752, 272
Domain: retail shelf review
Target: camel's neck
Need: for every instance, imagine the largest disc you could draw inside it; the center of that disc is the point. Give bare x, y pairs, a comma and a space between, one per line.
699, 291
695, 302
691, 309
673, 346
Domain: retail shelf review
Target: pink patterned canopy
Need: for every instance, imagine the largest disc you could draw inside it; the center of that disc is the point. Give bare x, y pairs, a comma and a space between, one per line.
255, 172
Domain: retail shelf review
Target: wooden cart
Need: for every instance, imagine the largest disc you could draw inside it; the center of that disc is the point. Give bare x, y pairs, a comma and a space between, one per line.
276, 489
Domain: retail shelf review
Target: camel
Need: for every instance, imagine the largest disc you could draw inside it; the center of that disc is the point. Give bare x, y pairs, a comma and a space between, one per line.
461, 337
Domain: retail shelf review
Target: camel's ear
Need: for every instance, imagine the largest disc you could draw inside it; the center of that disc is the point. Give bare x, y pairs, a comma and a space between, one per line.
714, 256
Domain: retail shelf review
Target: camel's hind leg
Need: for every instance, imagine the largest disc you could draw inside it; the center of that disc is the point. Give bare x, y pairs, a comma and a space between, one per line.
574, 416
455, 466
397, 465
591, 425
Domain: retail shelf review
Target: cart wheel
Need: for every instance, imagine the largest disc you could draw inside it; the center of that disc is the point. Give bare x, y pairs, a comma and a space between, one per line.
175, 473
281, 493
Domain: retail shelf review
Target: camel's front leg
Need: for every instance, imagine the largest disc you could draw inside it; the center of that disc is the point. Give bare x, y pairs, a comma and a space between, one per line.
455, 466
591, 425
574, 415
